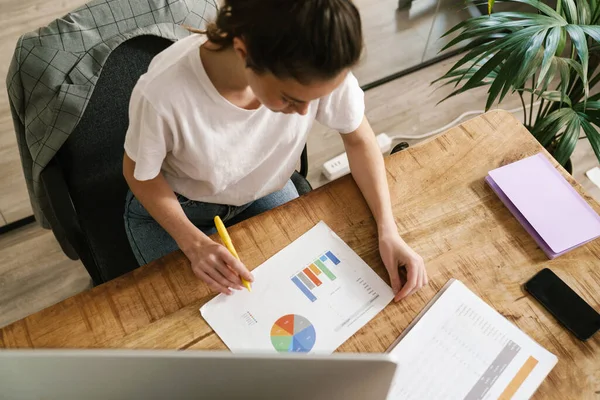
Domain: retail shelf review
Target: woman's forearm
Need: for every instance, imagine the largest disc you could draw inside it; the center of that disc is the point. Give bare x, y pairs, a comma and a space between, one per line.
368, 171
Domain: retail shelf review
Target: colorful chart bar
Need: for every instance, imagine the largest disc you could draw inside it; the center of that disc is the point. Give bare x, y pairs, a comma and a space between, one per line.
314, 269
332, 257
312, 276
326, 270
518, 380
304, 289
307, 282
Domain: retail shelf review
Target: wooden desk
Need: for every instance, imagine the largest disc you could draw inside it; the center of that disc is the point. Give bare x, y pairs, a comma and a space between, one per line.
443, 209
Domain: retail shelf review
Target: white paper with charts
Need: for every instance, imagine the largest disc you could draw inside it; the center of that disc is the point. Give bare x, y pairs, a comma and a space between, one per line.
459, 347
312, 296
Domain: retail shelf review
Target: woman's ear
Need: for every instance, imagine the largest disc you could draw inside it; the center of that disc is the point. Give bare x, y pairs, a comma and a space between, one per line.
239, 46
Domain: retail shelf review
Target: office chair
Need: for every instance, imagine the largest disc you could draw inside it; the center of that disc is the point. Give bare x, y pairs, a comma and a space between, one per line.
84, 182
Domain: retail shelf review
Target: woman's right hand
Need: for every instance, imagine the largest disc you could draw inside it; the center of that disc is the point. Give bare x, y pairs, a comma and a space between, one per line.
216, 266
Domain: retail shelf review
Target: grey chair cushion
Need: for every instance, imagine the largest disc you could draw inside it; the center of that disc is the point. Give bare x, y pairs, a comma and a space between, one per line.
92, 157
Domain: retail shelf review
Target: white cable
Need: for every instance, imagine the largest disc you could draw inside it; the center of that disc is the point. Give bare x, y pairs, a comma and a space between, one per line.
453, 123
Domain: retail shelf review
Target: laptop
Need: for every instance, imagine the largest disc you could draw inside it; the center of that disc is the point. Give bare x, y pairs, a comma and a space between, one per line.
165, 374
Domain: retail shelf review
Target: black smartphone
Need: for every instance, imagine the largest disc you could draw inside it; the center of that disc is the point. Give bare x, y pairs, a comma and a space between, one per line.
566, 305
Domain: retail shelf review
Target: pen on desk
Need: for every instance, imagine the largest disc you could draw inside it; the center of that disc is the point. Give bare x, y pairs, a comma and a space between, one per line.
227, 242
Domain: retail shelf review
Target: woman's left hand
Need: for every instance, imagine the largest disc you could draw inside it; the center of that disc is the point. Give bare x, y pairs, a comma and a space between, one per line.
395, 253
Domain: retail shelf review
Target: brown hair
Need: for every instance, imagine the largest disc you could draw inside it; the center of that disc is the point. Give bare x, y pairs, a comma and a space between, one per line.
302, 39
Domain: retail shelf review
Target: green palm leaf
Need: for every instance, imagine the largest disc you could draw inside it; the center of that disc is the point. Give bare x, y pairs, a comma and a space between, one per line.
550, 126
595, 6
525, 52
584, 10
543, 8
570, 11
593, 31
493, 49
593, 136
469, 34
565, 75
477, 51
591, 108
549, 79
485, 69
568, 140
532, 58
595, 97
578, 68
580, 42
550, 95
503, 80
551, 45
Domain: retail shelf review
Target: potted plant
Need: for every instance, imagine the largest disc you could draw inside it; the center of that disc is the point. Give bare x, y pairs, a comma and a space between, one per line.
549, 55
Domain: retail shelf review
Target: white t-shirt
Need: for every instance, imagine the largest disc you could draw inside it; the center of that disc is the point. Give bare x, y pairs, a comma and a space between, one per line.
211, 150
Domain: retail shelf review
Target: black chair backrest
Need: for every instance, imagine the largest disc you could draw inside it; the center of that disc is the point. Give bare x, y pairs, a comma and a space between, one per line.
92, 157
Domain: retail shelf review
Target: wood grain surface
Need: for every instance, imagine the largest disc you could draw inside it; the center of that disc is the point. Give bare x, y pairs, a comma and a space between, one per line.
443, 209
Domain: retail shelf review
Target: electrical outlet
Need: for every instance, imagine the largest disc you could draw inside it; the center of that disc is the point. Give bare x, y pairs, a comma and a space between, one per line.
339, 166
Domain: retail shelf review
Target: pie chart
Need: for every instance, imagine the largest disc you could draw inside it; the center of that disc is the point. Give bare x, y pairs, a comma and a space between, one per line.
293, 334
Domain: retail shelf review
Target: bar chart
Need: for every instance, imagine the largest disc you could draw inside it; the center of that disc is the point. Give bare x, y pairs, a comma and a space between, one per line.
315, 274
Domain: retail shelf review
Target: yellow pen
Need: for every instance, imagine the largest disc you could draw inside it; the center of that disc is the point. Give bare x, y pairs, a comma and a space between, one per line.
227, 242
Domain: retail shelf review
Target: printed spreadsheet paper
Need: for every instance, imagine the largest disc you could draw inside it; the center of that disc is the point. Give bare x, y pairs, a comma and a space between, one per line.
461, 348
310, 297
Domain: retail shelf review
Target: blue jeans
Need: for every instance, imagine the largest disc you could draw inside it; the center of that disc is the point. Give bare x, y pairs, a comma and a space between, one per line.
149, 241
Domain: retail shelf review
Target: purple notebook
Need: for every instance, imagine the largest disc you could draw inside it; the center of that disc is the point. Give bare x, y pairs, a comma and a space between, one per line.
547, 206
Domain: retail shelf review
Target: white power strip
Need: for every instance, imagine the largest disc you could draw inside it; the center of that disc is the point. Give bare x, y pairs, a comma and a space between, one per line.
339, 166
